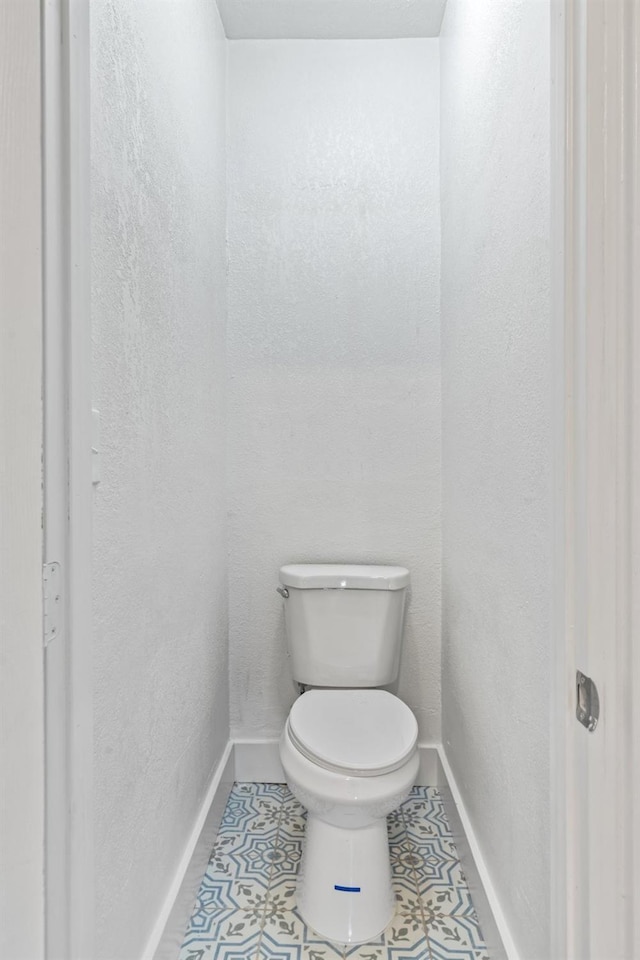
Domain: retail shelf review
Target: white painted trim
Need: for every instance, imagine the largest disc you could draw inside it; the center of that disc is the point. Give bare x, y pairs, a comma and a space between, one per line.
68, 489
608, 441
564, 78
76, 44
493, 923
55, 475
593, 828
166, 937
634, 304
22, 855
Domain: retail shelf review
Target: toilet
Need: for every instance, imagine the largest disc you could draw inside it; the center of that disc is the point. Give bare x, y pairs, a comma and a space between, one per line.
349, 748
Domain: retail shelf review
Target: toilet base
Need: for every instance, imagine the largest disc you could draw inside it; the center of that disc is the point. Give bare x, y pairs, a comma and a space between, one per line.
344, 885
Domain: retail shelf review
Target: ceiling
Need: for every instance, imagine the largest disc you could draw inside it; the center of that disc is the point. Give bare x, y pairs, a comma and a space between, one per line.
330, 19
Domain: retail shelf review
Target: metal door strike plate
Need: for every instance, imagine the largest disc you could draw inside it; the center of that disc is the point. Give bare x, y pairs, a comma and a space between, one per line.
587, 702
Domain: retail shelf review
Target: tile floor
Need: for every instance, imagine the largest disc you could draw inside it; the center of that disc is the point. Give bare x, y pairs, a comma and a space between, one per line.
246, 907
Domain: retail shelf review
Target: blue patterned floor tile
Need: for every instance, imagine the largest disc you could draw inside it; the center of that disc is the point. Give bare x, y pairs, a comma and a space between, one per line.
239, 869
283, 893
433, 793
220, 861
286, 931
452, 899
408, 906
293, 819
242, 858
366, 951
405, 888
404, 939
404, 946
196, 953
431, 862
270, 951
424, 818
228, 878
290, 799
215, 894
285, 857
239, 927
403, 863
247, 904
229, 951
419, 951
274, 791
210, 910
395, 826
456, 938
284, 928
322, 950
224, 950
249, 895
254, 857
316, 946
251, 811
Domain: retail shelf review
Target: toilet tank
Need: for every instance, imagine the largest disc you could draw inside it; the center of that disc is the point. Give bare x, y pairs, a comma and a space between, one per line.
344, 622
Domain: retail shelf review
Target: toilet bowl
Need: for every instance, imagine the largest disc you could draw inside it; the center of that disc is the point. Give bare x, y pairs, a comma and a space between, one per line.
349, 747
350, 757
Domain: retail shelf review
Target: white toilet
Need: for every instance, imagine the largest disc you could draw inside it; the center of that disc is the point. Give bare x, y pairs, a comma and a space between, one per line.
348, 749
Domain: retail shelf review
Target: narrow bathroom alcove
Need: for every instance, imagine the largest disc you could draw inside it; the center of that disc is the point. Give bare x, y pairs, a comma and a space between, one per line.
321, 320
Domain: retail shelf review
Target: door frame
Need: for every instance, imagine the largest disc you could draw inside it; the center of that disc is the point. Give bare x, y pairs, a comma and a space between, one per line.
595, 776
67, 477
595, 45
22, 904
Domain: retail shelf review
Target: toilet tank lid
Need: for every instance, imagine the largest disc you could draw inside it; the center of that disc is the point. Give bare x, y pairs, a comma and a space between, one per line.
345, 576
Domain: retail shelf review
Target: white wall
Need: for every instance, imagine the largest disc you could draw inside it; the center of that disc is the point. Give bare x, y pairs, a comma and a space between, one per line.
21, 653
496, 441
158, 312
334, 343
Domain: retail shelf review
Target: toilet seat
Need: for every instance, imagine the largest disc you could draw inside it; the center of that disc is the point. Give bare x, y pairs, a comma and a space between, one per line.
355, 732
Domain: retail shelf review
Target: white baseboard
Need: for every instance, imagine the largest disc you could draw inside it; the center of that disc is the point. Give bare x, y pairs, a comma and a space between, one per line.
493, 923
166, 937
430, 773
258, 761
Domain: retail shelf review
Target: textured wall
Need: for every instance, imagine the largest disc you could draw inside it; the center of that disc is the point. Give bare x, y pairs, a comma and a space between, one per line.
497, 448
21, 661
334, 343
158, 220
